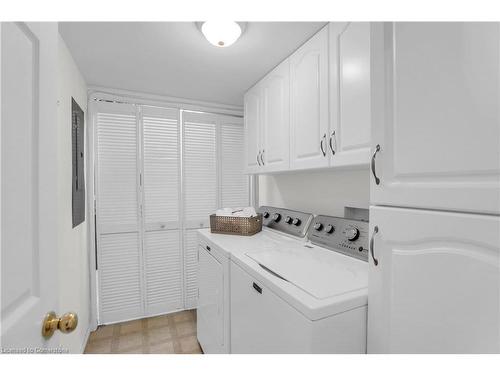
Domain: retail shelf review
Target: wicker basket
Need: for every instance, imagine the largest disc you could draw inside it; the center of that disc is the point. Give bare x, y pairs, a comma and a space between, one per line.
243, 226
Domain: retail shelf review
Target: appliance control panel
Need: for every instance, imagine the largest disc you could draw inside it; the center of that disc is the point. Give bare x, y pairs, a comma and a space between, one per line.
346, 236
291, 222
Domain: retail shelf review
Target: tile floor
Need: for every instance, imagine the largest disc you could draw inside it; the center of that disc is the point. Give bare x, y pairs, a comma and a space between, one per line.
166, 334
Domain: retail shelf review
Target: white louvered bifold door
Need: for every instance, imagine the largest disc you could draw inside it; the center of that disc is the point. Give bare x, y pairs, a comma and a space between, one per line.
234, 184
119, 257
161, 195
146, 224
200, 189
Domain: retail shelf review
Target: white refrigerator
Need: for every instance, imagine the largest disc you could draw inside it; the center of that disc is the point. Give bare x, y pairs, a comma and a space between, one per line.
434, 284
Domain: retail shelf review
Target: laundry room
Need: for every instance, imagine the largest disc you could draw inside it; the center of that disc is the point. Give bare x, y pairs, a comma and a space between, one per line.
318, 185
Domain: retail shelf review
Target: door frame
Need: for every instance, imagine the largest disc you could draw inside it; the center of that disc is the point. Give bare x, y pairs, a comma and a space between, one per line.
100, 93
91, 207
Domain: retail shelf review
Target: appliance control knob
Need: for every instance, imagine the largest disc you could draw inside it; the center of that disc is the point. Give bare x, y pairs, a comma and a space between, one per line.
352, 234
318, 226
330, 228
288, 220
265, 214
277, 217
296, 221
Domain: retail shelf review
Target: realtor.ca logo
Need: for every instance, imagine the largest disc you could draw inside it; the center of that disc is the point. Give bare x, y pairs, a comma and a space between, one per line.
36, 350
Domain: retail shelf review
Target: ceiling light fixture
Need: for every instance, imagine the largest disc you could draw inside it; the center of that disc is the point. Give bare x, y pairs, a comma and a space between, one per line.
221, 33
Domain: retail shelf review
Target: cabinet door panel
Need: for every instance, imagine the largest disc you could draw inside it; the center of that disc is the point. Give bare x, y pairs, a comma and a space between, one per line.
439, 126
350, 93
309, 103
276, 119
252, 129
436, 286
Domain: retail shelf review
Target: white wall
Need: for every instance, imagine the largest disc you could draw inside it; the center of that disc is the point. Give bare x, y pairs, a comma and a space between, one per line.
319, 192
74, 292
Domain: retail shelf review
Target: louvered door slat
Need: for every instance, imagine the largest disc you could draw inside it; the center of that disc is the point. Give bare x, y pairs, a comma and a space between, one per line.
233, 182
118, 230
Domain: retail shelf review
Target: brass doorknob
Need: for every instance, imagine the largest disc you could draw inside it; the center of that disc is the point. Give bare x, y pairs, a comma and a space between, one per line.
66, 323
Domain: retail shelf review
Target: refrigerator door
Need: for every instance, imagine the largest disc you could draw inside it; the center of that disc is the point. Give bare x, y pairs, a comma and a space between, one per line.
435, 288
435, 117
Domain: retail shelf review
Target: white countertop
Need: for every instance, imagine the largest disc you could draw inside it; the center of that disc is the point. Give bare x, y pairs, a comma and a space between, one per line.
232, 245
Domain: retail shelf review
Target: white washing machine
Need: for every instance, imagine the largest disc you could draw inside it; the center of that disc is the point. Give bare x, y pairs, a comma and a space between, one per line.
303, 297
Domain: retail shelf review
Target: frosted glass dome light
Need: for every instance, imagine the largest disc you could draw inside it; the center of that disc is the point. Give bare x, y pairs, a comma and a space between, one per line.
221, 33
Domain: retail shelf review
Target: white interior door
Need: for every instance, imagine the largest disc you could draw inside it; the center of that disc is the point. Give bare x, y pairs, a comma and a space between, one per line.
200, 184
119, 234
350, 93
212, 178
309, 123
436, 287
28, 183
162, 250
435, 108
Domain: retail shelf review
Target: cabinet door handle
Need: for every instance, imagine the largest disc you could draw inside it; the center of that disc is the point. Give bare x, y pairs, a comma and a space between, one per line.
321, 144
257, 288
377, 180
258, 161
331, 141
375, 231
262, 157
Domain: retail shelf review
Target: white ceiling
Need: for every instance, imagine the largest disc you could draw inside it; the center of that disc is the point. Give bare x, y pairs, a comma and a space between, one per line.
175, 59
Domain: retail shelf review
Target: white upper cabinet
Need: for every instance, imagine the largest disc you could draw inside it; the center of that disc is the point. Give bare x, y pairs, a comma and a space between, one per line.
436, 285
276, 119
253, 120
309, 104
349, 138
435, 115
313, 110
